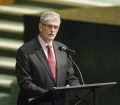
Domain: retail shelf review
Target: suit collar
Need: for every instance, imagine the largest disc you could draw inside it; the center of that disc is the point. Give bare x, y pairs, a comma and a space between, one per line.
41, 55
59, 59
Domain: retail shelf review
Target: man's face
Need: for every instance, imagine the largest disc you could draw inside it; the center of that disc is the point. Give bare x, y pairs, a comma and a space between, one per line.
48, 30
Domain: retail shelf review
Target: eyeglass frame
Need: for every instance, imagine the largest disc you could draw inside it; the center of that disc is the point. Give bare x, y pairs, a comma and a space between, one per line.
50, 26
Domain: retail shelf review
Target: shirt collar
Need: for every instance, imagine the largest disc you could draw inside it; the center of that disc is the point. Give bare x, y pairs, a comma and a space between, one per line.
43, 43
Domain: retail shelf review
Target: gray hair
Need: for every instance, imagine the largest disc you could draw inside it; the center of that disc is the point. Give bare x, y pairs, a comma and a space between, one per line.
50, 15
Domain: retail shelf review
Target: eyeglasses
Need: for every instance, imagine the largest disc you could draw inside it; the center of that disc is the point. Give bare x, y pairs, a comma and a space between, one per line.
50, 26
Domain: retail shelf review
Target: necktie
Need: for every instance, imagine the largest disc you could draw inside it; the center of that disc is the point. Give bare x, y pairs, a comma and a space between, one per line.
51, 61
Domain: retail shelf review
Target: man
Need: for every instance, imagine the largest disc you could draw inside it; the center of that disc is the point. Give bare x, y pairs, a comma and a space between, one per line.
35, 73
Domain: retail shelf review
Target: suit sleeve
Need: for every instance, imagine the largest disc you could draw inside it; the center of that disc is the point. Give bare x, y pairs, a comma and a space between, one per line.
23, 73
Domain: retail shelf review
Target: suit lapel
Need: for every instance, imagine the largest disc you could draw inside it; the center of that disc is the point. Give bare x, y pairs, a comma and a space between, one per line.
41, 55
58, 60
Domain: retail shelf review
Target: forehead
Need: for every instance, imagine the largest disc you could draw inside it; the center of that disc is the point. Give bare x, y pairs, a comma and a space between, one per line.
52, 21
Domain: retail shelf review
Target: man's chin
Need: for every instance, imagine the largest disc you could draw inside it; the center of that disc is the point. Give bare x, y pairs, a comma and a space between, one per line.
51, 37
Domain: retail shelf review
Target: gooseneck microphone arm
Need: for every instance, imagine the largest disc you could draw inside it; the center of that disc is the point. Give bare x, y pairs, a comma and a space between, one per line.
69, 52
77, 68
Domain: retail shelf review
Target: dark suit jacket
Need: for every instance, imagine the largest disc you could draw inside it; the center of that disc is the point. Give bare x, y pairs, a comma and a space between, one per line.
33, 72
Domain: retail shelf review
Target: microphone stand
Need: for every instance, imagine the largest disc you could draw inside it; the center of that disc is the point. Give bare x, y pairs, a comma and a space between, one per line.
77, 68
80, 99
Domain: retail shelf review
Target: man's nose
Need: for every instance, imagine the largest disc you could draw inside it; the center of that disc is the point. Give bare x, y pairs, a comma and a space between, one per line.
52, 28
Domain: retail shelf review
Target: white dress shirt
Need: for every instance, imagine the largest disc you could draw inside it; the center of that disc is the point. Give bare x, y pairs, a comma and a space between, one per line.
44, 46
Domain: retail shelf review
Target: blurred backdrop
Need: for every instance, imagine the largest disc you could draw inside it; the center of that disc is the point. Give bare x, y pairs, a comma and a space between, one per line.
91, 27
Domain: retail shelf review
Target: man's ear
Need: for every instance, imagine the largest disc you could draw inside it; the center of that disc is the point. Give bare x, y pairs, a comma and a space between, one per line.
40, 26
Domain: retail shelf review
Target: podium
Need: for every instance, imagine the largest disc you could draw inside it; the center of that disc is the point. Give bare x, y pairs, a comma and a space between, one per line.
77, 93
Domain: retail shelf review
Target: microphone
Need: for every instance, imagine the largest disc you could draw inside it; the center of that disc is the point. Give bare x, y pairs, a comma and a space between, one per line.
67, 50
79, 71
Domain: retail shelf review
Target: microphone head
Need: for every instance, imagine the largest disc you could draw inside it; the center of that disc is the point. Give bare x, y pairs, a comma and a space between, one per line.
62, 48
69, 51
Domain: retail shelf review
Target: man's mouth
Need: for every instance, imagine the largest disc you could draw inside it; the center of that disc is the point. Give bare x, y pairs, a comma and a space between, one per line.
51, 34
